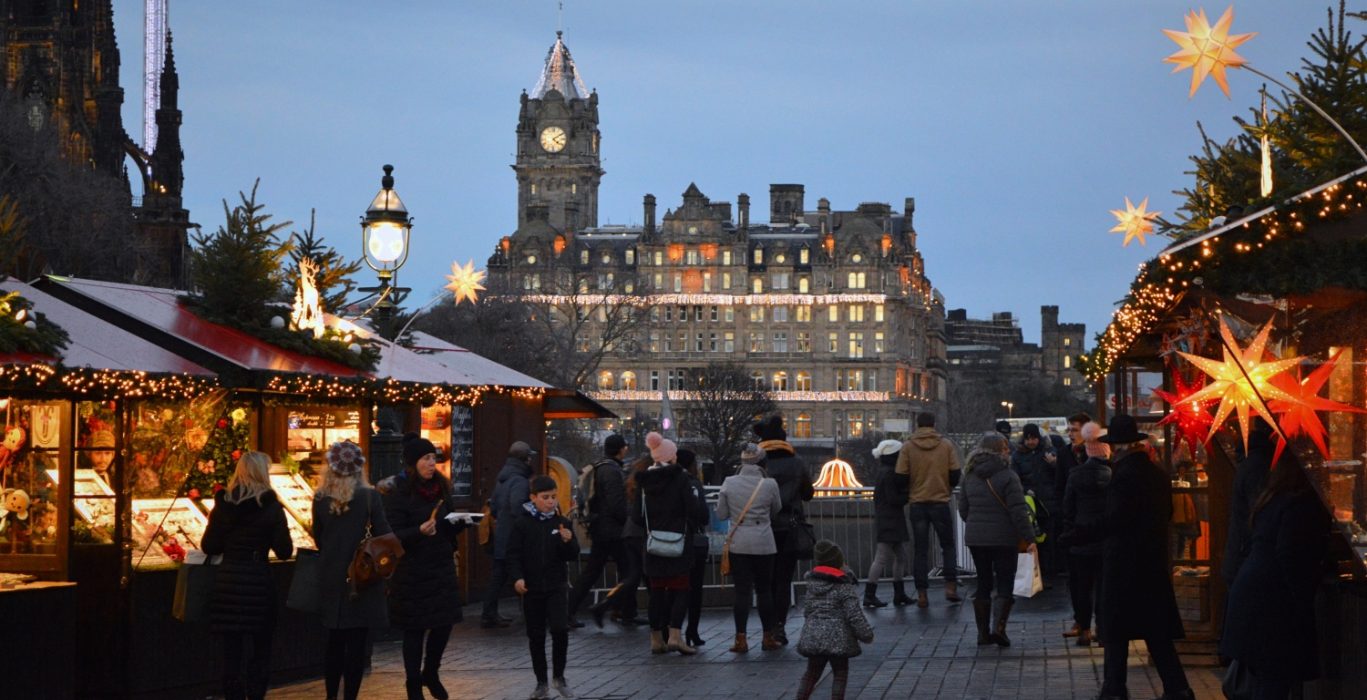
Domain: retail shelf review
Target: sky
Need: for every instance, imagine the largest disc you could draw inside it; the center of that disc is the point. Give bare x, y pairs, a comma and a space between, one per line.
1017, 126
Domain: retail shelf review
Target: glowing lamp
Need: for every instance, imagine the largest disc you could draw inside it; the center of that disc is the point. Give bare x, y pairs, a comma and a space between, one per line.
385, 229
667, 423
837, 474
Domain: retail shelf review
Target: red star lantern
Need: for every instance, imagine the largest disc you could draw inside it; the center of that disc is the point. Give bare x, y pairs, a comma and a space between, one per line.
1191, 419
1299, 414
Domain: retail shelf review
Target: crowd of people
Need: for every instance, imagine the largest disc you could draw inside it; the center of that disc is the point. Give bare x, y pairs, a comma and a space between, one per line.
1097, 507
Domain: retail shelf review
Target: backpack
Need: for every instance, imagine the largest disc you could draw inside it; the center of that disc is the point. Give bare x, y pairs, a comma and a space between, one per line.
587, 488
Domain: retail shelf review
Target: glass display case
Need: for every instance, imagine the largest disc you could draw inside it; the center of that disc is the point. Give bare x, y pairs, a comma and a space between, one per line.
296, 495
163, 529
310, 429
33, 438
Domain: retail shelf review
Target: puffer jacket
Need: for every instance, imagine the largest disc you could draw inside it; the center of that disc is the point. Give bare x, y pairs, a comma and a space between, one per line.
834, 624
987, 523
423, 592
890, 503
510, 492
664, 497
1084, 506
244, 598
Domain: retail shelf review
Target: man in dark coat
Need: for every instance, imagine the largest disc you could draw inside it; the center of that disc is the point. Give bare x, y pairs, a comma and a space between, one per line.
510, 492
1249, 478
1071, 454
1137, 600
1035, 461
607, 515
794, 487
1084, 508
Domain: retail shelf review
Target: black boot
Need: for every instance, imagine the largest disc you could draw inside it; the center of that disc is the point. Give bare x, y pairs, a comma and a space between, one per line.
1001, 611
431, 678
982, 614
899, 594
413, 687
871, 596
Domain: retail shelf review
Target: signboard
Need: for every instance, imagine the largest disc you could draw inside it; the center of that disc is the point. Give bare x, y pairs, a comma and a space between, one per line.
462, 451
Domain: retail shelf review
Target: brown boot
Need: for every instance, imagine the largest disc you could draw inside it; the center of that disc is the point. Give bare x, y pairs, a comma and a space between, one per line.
952, 592
921, 600
677, 643
1084, 638
770, 642
1075, 631
741, 646
1001, 611
657, 642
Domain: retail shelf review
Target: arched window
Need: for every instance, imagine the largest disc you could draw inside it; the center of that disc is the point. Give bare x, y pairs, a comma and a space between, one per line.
804, 382
780, 381
802, 428
803, 284
628, 380
604, 381
857, 280
757, 380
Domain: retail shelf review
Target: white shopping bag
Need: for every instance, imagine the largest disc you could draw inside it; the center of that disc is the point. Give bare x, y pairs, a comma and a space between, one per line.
1028, 580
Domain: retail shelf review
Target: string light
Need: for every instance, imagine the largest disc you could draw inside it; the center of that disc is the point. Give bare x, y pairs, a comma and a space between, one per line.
83, 381
675, 395
389, 390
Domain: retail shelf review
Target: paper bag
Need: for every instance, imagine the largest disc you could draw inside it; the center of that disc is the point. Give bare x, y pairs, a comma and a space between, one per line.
1028, 580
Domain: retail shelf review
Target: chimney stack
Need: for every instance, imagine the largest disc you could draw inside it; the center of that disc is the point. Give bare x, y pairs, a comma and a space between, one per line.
649, 205
743, 203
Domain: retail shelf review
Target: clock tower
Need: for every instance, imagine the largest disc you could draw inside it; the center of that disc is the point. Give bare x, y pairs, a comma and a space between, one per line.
558, 167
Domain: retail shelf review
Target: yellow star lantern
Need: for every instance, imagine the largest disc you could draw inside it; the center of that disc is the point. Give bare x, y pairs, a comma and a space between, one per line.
1134, 221
1240, 379
465, 282
1207, 50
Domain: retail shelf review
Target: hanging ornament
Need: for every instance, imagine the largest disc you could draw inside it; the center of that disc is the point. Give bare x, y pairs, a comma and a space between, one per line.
1134, 221
1265, 181
1191, 419
1207, 50
1299, 414
1241, 379
465, 282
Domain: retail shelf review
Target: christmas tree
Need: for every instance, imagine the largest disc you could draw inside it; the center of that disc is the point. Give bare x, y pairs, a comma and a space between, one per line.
333, 278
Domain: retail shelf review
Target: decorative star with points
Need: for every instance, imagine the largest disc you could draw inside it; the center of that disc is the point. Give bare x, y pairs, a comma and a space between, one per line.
1134, 221
1207, 50
1241, 379
465, 282
1299, 415
1190, 418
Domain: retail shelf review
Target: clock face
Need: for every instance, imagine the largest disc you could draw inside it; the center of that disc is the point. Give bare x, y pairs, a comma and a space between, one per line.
553, 139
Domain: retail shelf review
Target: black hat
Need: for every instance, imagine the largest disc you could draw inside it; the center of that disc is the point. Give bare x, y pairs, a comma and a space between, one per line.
520, 450
771, 428
415, 447
1004, 428
1030, 431
1123, 431
613, 445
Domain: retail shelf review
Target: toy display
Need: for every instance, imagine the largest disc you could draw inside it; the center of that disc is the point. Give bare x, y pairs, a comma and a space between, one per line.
14, 519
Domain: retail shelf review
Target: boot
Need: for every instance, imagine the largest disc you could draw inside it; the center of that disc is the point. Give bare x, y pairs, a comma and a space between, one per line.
693, 638
982, 614
1084, 638
899, 594
921, 600
770, 643
1001, 610
1075, 631
952, 592
676, 642
657, 642
413, 687
431, 678
870, 598
1185, 694
741, 646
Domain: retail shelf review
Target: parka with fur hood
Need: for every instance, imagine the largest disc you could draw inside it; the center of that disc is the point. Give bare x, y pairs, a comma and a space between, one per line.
834, 623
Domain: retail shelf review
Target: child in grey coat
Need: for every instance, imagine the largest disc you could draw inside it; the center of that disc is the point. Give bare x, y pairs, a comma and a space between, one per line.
834, 624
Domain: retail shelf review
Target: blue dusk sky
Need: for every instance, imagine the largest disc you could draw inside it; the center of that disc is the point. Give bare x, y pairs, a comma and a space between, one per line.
1017, 126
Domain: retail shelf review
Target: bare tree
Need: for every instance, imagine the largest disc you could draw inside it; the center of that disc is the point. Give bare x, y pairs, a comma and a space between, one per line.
581, 323
722, 403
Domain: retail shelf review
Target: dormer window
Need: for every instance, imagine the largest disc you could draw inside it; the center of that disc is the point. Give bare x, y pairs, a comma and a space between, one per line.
759, 255
631, 256
804, 256
584, 256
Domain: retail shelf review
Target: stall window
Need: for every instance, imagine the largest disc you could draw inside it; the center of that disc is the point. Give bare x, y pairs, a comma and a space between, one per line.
96, 473
35, 435
312, 428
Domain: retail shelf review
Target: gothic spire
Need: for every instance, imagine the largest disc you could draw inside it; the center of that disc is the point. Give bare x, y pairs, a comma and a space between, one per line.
560, 74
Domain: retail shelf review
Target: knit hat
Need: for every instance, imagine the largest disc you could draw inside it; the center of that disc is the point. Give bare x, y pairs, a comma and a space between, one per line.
1030, 431
415, 447
345, 459
751, 454
661, 450
1097, 449
771, 428
613, 445
887, 447
827, 553
991, 441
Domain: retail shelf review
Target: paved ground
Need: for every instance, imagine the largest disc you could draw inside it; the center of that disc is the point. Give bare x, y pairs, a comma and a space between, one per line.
916, 654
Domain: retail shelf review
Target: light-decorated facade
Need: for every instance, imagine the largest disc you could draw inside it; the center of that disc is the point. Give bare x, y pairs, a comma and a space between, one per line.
830, 310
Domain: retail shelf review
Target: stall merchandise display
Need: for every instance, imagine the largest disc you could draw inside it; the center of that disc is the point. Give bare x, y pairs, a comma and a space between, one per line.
164, 529
93, 499
296, 496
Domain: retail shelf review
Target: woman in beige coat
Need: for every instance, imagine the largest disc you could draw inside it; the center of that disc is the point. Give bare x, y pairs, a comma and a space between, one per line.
752, 546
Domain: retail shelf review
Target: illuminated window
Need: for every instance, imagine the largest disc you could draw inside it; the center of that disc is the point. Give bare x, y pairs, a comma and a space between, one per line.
856, 344
804, 341
628, 380
728, 342
804, 381
604, 381
659, 257
631, 256
725, 280
802, 427
878, 342
1067, 342
726, 257
1067, 361
759, 255
780, 382
654, 341
756, 342
757, 285
707, 283
757, 314
729, 314
856, 280
1067, 381
804, 256
857, 312
833, 313
658, 281
804, 313
583, 285
583, 257
629, 287
854, 424
833, 342
803, 285
878, 313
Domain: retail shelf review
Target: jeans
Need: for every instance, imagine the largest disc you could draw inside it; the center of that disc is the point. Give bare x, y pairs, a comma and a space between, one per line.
753, 572
888, 556
785, 564
996, 567
545, 610
615, 550
345, 659
923, 516
1084, 586
498, 578
249, 679
1164, 656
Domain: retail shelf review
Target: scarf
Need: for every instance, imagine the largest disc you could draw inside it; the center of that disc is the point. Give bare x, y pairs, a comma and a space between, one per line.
536, 513
428, 490
777, 445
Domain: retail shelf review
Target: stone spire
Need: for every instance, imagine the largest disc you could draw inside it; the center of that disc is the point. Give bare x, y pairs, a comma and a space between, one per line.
168, 158
560, 74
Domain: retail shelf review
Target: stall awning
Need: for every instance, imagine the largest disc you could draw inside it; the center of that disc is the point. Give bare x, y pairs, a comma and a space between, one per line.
567, 403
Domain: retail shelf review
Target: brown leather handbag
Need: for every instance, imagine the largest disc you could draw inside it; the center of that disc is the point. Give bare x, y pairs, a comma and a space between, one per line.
375, 559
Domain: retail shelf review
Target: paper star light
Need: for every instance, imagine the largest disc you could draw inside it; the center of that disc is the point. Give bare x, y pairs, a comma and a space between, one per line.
465, 282
1191, 419
1134, 221
1240, 378
1299, 415
1207, 50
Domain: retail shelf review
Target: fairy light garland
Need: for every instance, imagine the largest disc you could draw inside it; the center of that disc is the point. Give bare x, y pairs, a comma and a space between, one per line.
82, 381
780, 396
390, 390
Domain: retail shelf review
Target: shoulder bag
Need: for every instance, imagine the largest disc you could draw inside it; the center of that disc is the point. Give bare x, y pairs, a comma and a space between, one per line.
726, 548
375, 559
1023, 544
662, 543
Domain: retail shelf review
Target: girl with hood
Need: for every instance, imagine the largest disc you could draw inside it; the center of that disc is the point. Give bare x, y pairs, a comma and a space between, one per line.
834, 625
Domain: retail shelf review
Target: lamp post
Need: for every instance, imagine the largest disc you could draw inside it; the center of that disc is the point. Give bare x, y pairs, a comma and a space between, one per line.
385, 229
1010, 408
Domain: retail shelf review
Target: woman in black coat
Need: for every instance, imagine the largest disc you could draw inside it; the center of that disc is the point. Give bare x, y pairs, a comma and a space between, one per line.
246, 524
1084, 509
890, 525
1270, 627
424, 598
1137, 600
702, 518
344, 509
664, 502
794, 488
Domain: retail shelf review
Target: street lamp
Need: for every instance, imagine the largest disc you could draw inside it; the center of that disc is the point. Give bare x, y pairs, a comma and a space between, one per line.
385, 229
1010, 408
